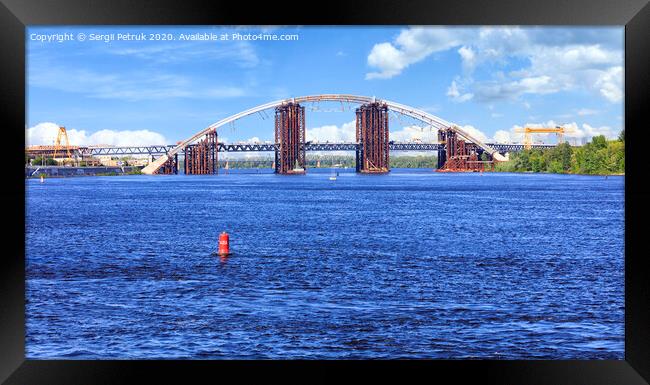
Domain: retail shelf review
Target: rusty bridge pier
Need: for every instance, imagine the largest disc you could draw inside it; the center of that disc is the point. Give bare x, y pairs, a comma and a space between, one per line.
170, 166
202, 158
458, 155
372, 136
290, 139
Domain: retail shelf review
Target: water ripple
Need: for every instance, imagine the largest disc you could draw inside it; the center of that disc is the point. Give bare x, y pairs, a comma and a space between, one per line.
408, 265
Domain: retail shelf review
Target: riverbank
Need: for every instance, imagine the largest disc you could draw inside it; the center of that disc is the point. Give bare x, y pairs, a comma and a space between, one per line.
64, 172
555, 173
67, 172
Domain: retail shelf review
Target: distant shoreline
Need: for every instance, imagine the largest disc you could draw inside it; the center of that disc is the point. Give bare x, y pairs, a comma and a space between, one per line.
555, 173
32, 172
116, 171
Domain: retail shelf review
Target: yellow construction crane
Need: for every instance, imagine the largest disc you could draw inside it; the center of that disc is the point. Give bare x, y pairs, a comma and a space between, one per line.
57, 145
529, 131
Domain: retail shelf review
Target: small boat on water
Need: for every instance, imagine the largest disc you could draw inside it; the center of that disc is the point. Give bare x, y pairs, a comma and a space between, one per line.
334, 172
297, 167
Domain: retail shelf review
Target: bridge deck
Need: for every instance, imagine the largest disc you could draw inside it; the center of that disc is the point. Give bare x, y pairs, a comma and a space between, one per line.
269, 147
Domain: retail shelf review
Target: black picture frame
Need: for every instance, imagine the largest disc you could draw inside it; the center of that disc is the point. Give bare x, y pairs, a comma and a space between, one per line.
15, 15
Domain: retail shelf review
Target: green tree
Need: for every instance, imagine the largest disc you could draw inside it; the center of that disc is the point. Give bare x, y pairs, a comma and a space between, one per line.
577, 160
600, 156
595, 156
537, 161
555, 167
599, 141
562, 154
522, 161
615, 157
38, 161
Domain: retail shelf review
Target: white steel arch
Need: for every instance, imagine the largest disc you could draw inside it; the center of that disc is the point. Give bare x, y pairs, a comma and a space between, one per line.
401, 108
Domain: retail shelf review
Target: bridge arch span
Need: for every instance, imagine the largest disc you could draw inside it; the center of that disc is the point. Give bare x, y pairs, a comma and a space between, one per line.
415, 113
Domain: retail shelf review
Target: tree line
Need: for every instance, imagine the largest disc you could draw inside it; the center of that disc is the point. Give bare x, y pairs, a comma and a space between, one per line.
599, 156
328, 161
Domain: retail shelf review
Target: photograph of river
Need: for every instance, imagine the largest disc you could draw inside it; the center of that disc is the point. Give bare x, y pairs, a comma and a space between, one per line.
324, 193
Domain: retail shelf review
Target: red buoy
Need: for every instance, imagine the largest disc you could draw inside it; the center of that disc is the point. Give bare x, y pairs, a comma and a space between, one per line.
224, 244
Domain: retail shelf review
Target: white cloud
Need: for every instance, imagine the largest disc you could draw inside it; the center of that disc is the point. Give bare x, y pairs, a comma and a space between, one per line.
555, 61
569, 58
502, 136
587, 131
468, 57
388, 58
475, 133
411, 46
496, 90
45, 134
454, 93
558, 68
610, 84
537, 85
414, 133
332, 133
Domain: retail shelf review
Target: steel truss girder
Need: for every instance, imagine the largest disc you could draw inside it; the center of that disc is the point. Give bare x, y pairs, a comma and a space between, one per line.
262, 147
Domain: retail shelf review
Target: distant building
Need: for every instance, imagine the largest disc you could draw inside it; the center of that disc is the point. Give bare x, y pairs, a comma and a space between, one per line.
107, 160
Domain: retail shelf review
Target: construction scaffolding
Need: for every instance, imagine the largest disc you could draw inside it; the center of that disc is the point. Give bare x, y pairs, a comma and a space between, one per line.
290, 139
202, 158
62, 134
460, 156
372, 155
170, 166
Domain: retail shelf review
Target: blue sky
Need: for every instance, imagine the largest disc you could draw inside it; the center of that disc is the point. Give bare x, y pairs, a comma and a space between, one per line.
489, 80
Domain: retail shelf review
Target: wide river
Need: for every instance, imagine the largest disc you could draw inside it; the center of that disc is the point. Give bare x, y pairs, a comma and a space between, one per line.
413, 264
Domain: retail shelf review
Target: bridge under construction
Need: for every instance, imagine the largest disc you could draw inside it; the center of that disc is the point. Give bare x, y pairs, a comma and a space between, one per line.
457, 150
193, 156
372, 136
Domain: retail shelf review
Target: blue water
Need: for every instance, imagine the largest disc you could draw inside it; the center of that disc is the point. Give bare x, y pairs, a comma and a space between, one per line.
412, 264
